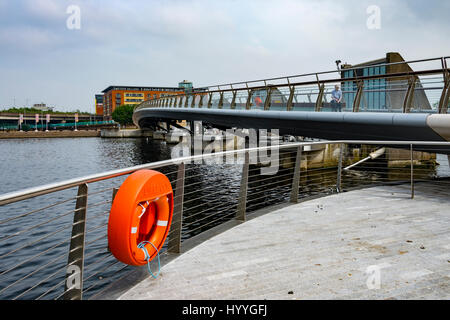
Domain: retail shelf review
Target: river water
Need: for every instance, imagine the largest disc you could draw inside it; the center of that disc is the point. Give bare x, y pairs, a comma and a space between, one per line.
33, 256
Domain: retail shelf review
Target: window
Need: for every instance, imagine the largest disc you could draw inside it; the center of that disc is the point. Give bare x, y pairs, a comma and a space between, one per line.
133, 100
134, 94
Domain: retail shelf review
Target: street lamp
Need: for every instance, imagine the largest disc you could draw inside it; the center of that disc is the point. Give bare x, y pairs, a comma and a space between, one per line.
338, 62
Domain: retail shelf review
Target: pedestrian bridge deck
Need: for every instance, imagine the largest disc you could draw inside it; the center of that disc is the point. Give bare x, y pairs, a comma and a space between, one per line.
328, 248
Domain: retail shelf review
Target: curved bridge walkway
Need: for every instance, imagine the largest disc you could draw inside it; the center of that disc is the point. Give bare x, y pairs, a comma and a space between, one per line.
373, 243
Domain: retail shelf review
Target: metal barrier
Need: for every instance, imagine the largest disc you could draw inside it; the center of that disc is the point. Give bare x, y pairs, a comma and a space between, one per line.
427, 89
58, 125
53, 242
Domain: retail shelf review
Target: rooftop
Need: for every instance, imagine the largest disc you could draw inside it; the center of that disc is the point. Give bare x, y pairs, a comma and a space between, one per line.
134, 88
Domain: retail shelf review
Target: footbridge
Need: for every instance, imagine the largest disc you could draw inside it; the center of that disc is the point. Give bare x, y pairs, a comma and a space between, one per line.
405, 100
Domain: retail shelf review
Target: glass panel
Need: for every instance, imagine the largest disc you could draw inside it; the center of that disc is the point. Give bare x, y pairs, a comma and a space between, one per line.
227, 97
196, 101
241, 99
395, 94
215, 100
279, 98
305, 98
189, 101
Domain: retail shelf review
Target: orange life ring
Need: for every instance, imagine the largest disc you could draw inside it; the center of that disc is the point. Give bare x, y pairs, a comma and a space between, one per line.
141, 212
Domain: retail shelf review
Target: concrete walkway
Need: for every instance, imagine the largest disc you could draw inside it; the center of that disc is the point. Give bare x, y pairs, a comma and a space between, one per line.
373, 243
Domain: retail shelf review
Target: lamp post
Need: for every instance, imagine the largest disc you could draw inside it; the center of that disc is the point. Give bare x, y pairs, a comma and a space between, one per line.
76, 120
20, 122
47, 116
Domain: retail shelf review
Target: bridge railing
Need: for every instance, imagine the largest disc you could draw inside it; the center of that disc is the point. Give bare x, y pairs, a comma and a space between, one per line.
41, 126
406, 86
53, 238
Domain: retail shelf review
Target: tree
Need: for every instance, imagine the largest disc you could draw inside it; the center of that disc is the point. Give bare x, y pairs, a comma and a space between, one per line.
123, 114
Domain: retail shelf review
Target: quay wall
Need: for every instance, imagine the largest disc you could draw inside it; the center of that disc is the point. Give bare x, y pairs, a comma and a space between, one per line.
49, 134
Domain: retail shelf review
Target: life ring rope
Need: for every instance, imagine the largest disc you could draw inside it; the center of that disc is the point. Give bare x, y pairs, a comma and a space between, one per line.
147, 257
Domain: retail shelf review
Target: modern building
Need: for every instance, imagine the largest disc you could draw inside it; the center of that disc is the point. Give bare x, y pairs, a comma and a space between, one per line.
114, 96
382, 94
99, 104
186, 85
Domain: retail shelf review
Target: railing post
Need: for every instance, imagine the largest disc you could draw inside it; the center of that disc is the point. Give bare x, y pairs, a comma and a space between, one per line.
412, 170
220, 105
291, 98
193, 101
320, 98
210, 100
296, 178
200, 103
174, 244
407, 102
248, 105
268, 101
114, 192
358, 95
242, 204
339, 170
73, 286
445, 95
233, 100
186, 102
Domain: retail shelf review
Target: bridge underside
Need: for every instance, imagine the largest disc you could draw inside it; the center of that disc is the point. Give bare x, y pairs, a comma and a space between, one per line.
321, 125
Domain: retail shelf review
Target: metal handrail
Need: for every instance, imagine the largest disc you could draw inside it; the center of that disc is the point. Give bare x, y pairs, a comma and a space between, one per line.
247, 196
327, 72
19, 195
311, 82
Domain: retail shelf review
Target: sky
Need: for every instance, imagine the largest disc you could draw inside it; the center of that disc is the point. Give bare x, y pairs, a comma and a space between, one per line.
46, 56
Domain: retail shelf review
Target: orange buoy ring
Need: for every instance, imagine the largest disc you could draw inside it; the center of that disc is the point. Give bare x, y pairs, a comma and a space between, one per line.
141, 213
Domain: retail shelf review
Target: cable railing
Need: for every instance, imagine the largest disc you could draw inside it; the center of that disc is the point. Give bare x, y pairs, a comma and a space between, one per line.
399, 90
48, 232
